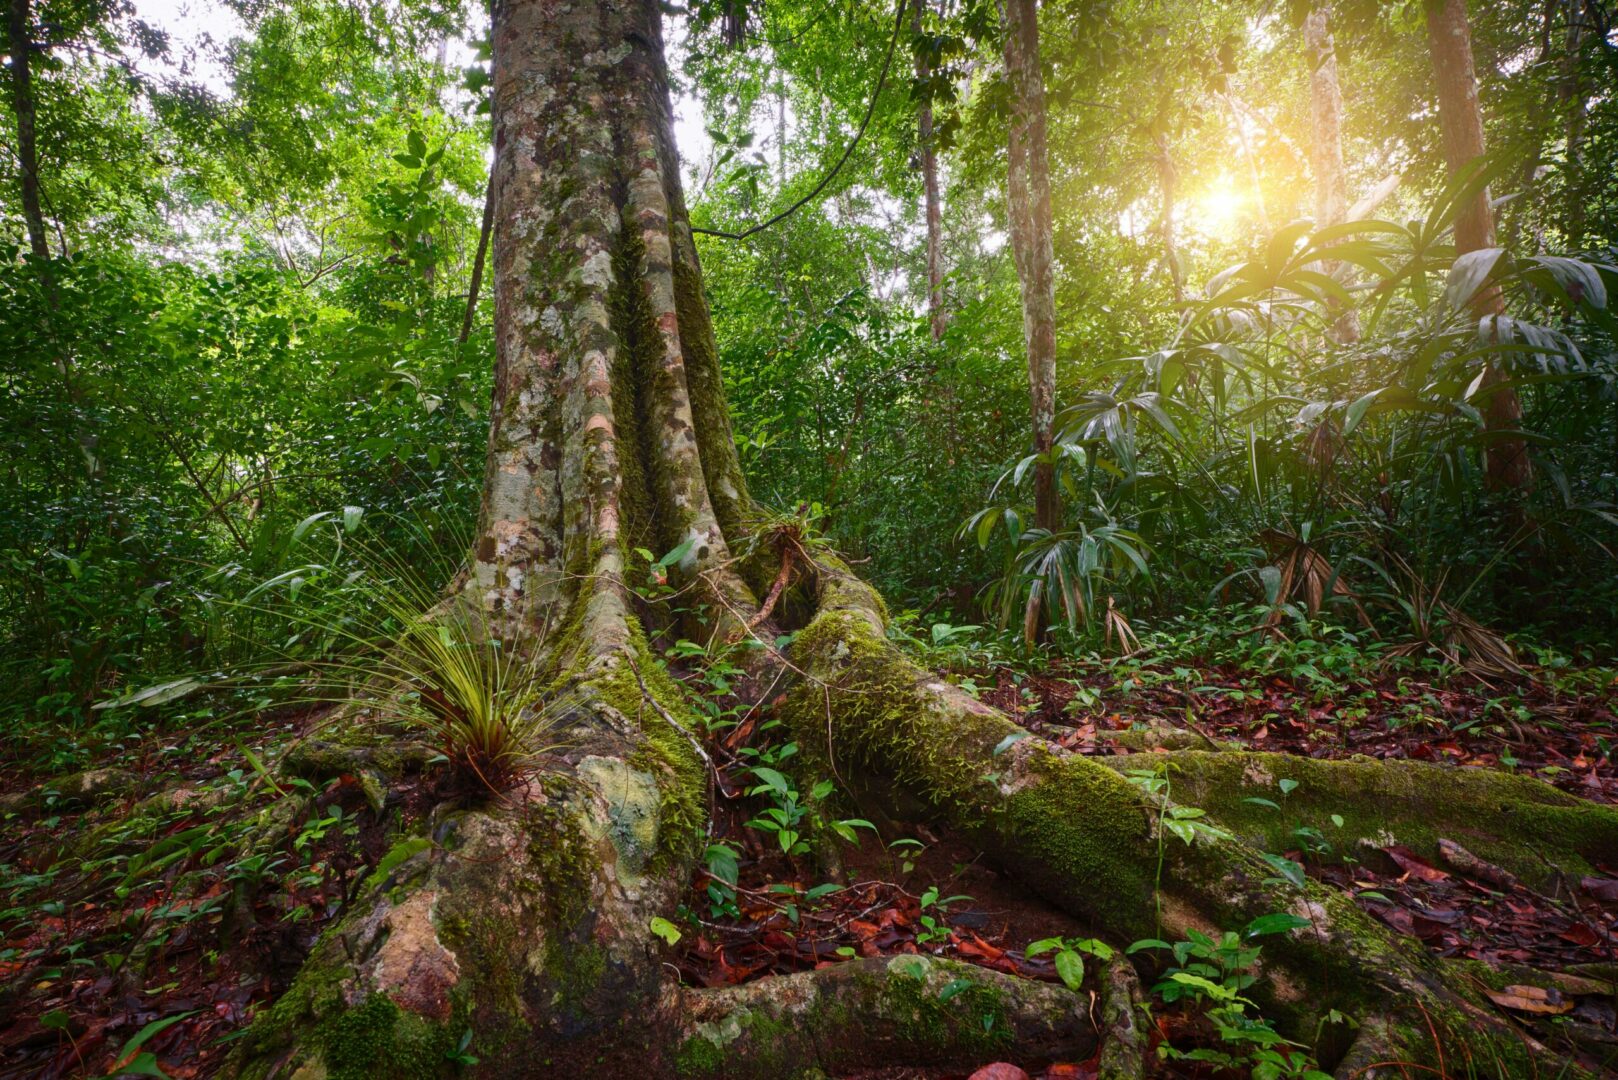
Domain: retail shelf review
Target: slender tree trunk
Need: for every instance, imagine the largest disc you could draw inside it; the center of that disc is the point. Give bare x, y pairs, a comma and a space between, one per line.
1570, 94
476, 284
1461, 119
1512, 218
22, 105
1167, 181
1326, 142
937, 314
1029, 209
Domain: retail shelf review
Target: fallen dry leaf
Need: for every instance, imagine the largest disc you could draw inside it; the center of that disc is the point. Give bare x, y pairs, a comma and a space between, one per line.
1531, 999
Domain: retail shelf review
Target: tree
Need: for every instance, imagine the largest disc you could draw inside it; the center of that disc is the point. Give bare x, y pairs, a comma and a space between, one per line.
529, 919
937, 313
1028, 202
1326, 137
1461, 120
20, 46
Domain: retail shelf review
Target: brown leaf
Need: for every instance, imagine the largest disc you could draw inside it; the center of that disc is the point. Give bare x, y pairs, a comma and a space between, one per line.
1531, 999
1580, 934
1000, 1070
1601, 888
1414, 865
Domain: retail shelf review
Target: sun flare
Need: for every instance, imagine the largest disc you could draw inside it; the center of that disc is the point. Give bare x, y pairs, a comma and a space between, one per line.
1219, 209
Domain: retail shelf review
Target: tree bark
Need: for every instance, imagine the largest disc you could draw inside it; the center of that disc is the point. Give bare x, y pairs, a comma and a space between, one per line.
1028, 200
1326, 141
1570, 93
1461, 119
22, 105
1167, 180
937, 313
526, 919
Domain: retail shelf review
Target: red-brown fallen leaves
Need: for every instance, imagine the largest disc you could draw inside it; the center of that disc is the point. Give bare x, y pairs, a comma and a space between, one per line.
1568, 739
1456, 915
1000, 1070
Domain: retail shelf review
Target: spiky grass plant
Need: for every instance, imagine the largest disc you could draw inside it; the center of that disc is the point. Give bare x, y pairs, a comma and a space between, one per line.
477, 698
391, 646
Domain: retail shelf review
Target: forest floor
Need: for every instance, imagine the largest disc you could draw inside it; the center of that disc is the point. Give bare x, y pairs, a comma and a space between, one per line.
150, 906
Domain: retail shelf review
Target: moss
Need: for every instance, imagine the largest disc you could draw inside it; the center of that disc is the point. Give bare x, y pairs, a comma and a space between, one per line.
698, 1056
1514, 821
882, 717
971, 1022
376, 1040
1086, 830
663, 751
1083, 824
722, 472
632, 366
745, 1044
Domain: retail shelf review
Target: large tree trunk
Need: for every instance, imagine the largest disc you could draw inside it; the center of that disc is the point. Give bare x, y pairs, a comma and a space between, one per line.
1326, 140
937, 313
526, 919
20, 43
1461, 119
1028, 191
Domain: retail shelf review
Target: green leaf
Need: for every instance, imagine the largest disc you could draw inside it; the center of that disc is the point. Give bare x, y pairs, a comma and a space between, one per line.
773, 780
1070, 968
1042, 946
1468, 274
1288, 869
1275, 923
1008, 742
396, 857
152, 696
913, 967
666, 930
144, 1064
140, 1038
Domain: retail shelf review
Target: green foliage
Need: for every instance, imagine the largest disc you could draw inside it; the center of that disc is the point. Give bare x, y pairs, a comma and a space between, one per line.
1212, 973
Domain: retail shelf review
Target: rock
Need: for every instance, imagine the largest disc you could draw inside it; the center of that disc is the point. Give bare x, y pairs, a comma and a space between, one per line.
1000, 1070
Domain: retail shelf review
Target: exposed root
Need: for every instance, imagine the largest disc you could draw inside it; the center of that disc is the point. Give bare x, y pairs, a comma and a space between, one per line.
902, 1010
1087, 839
1124, 1047
1517, 823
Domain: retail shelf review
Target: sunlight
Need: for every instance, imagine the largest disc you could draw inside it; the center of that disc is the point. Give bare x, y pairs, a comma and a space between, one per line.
1218, 210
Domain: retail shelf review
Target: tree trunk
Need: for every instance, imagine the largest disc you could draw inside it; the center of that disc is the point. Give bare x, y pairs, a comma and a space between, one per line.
1029, 210
22, 105
1167, 179
526, 919
937, 314
1461, 119
476, 284
1570, 95
1326, 142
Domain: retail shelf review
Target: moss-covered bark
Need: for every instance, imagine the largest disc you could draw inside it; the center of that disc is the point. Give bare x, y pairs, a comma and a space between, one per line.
524, 920
1090, 841
869, 1013
1516, 822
